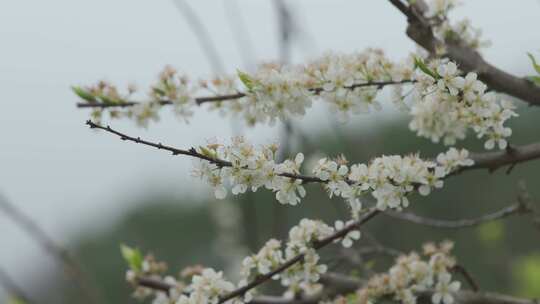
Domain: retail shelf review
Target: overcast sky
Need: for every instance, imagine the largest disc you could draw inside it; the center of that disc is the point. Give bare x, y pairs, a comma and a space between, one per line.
68, 178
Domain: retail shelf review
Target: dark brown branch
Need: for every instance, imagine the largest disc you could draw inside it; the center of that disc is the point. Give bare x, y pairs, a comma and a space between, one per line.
218, 98
198, 100
191, 152
495, 160
50, 246
517, 208
467, 276
468, 59
403, 8
154, 284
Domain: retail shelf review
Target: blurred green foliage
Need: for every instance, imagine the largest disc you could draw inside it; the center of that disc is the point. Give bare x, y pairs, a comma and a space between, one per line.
527, 274
491, 232
15, 300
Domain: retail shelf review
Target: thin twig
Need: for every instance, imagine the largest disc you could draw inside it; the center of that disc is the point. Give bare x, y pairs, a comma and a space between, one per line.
467, 276
489, 160
191, 152
219, 98
516, 208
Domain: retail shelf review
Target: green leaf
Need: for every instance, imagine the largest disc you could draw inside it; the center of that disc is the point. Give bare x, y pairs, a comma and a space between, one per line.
158, 91
527, 272
534, 63
352, 298
246, 80
108, 100
132, 256
84, 94
491, 233
15, 300
207, 152
534, 79
419, 63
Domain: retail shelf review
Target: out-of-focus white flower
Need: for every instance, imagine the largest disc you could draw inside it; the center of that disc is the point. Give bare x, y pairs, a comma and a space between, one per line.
445, 289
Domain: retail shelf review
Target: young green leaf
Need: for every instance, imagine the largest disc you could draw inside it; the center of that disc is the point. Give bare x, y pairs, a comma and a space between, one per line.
534, 63
82, 93
246, 80
419, 63
158, 91
132, 256
108, 100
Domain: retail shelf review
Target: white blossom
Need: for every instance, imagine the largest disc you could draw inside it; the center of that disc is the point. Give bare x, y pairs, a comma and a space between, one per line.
350, 237
445, 289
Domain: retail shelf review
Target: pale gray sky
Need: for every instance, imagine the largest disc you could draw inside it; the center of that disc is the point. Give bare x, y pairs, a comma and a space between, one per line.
69, 178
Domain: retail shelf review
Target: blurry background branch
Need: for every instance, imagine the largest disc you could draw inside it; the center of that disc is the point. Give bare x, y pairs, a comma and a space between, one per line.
49, 245
16, 293
200, 31
515, 209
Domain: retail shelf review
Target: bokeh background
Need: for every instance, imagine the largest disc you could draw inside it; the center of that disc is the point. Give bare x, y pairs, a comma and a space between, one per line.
92, 192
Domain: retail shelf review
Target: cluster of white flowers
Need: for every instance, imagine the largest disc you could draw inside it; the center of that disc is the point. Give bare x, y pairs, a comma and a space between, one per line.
443, 103
275, 92
389, 179
412, 275
341, 77
250, 169
301, 277
461, 31
151, 268
271, 92
206, 287
209, 286
447, 105
409, 276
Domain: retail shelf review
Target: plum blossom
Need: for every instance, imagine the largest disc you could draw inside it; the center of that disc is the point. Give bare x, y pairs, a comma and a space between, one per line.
352, 236
445, 289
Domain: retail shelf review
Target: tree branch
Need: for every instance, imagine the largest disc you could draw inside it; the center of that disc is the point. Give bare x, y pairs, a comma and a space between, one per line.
165, 287
517, 208
191, 152
511, 156
486, 160
467, 276
218, 98
344, 285
468, 59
